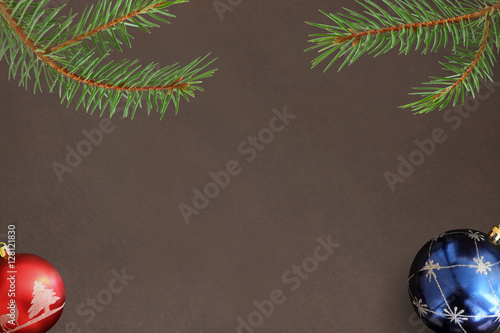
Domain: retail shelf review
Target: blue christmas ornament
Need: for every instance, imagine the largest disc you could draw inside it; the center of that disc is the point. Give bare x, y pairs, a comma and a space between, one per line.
454, 282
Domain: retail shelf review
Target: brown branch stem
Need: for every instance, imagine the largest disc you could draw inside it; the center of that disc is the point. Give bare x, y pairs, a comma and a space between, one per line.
43, 57
356, 36
103, 27
473, 64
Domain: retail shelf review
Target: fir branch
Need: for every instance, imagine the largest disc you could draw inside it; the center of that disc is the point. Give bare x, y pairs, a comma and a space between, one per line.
123, 13
417, 22
42, 56
73, 65
465, 78
473, 65
356, 36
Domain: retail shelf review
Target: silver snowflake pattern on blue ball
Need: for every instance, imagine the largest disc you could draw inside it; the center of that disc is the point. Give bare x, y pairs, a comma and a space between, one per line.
454, 283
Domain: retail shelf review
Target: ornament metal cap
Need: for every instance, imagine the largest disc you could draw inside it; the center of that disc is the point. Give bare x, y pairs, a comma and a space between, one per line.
4, 250
495, 234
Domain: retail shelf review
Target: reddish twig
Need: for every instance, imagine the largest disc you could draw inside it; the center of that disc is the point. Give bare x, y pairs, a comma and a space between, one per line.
356, 36
473, 64
42, 56
103, 27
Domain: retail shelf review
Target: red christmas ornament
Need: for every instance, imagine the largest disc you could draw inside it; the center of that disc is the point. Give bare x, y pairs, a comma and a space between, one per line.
32, 294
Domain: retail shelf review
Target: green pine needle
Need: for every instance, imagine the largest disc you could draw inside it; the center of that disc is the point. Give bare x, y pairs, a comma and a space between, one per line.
72, 55
470, 26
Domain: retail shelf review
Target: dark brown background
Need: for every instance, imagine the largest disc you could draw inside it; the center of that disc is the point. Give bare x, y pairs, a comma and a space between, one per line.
321, 176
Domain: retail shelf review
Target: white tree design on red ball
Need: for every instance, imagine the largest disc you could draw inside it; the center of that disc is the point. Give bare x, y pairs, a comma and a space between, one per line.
42, 299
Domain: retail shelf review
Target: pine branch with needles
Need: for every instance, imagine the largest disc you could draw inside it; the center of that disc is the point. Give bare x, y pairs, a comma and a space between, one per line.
472, 27
72, 54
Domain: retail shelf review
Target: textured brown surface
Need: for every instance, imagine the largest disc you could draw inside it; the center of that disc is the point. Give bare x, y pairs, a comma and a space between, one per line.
322, 175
